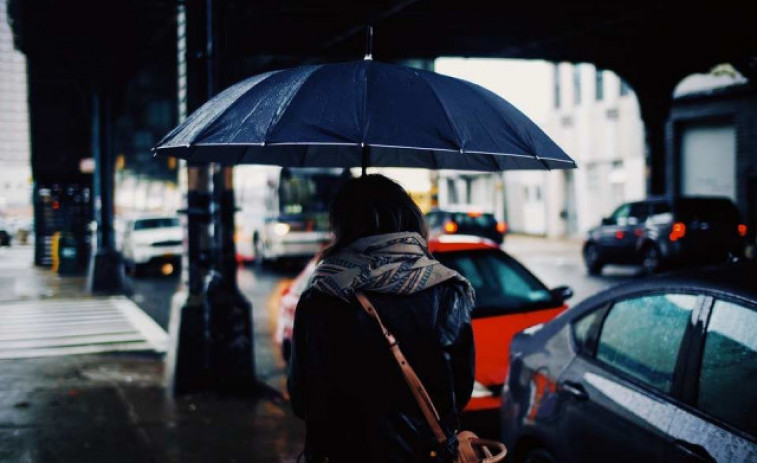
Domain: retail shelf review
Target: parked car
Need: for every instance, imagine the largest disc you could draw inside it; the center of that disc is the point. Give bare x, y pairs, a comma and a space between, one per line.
155, 240
470, 222
5, 235
662, 232
661, 370
509, 298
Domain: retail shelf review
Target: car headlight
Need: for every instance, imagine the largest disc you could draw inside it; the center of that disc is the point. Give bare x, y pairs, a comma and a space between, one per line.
281, 228
479, 391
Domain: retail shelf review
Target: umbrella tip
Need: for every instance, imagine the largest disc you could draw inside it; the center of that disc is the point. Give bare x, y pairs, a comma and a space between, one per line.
368, 43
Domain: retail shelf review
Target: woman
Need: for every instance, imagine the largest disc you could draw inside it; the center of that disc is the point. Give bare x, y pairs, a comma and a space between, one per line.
343, 380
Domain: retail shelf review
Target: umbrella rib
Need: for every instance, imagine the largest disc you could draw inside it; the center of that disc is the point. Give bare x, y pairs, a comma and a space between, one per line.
282, 109
204, 129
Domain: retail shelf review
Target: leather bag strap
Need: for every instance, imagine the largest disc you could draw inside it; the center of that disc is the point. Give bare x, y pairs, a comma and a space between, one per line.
416, 387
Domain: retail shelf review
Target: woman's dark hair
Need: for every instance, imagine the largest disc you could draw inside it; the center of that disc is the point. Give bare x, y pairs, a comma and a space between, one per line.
372, 205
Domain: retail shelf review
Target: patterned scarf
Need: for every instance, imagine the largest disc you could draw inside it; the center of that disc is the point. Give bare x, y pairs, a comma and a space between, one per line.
395, 263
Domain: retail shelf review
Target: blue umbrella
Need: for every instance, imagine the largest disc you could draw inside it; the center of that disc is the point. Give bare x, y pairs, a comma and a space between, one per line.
363, 113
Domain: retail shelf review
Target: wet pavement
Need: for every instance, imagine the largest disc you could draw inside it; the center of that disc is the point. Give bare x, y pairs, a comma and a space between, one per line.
113, 407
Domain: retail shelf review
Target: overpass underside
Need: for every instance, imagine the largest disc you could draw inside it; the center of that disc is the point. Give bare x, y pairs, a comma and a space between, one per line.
108, 79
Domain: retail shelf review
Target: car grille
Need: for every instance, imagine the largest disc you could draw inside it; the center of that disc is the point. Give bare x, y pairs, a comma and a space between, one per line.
159, 244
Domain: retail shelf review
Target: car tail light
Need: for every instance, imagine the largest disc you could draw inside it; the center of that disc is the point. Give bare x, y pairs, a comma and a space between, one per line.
620, 234
474, 214
742, 230
678, 231
450, 227
286, 290
502, 227
639, 232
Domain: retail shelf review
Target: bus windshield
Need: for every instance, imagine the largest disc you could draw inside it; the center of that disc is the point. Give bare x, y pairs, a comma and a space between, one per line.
307, 192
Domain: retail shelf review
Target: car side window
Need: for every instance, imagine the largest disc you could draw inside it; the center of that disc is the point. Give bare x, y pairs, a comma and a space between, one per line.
728, 376
582, 330
641, 336
638, 213
620, 216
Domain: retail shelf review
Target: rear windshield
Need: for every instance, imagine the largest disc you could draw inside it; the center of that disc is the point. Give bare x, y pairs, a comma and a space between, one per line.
707, 209
164, 222
474, 220
502, 285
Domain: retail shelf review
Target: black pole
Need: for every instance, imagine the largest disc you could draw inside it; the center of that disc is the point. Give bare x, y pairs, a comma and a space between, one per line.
366, 160
105, 269
188, 359
231, 354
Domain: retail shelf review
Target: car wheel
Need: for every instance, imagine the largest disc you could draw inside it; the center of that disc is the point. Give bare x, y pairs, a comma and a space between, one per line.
652, 261
537, 456
593, 262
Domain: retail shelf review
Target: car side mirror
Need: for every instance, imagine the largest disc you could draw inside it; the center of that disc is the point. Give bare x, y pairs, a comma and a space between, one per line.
561, 293
608, 221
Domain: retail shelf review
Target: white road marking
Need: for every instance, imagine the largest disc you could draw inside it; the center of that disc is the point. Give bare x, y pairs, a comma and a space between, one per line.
56, 327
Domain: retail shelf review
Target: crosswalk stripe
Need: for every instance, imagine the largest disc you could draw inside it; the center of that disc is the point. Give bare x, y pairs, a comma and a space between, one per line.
55, 327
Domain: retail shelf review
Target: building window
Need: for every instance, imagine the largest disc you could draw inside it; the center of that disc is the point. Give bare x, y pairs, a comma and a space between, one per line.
452, 191
557, 86
576, 85
625, 89
599, 88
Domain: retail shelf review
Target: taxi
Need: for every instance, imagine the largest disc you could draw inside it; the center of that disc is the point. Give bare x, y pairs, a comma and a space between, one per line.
509, 299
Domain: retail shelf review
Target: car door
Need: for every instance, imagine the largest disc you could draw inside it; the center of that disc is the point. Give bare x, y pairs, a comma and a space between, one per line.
616, 392
717, 421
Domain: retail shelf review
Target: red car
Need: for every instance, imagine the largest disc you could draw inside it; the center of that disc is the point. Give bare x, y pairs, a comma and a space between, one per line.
509, 299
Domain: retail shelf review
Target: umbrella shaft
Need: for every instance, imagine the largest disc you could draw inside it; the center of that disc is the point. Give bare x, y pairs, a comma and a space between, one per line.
366, 159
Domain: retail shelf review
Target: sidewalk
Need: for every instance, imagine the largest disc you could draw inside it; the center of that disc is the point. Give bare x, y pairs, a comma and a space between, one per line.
112, 407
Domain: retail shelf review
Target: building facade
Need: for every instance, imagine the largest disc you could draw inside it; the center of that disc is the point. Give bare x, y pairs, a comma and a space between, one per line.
594, 117
712, 140
15, 166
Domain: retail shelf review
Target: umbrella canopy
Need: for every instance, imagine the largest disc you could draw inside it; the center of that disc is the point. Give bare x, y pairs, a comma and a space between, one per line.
363, 113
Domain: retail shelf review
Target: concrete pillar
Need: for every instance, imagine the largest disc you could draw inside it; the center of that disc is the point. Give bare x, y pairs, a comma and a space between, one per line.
105, 270
211, 321
655, 101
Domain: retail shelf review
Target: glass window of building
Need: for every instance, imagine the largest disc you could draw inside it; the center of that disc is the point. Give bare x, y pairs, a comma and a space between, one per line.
625, 89
557, 85
599, 87
576, 85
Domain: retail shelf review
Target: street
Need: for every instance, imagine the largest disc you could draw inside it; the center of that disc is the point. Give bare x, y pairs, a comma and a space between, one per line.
555, 262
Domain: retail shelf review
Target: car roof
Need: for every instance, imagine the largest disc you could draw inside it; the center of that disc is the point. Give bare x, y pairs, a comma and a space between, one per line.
736, 279
462, 210
451, 243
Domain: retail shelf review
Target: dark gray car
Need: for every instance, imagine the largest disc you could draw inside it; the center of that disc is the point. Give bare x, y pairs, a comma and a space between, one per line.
666, 232
661, 370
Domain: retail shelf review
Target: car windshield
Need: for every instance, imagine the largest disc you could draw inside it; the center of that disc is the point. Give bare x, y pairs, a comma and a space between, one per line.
502, 285
707, 209
163, 222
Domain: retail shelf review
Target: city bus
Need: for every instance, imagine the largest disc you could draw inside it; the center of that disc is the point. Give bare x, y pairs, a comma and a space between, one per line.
283, 212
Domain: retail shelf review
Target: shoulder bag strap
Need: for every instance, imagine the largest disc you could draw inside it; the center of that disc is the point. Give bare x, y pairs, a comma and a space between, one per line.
416, 387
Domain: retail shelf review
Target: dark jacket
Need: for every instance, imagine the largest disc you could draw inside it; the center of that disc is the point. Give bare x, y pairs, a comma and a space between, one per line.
346, 385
